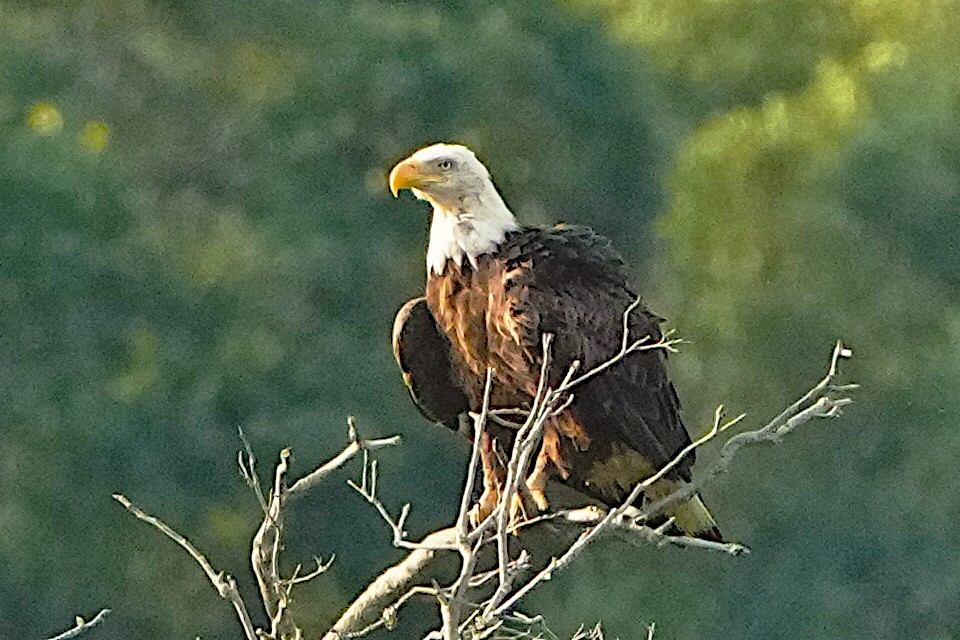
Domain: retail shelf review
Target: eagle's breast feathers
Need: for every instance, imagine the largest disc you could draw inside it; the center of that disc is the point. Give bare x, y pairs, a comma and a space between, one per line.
564, 281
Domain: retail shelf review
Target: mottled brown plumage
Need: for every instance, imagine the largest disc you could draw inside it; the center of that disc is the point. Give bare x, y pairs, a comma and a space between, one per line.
491, 307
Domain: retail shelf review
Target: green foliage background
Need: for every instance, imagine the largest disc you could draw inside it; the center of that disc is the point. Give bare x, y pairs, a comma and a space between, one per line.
195, 235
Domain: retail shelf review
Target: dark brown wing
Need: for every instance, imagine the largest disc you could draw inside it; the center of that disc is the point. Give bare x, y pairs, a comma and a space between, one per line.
423, 354
568, 281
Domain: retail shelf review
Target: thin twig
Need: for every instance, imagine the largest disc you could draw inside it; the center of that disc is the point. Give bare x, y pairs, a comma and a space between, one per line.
247, 463
794, 416
480, 422
718, 427
224, 583
321, 568
82, 625
356, 445
626, 323
666, 342
631, 531
368, 489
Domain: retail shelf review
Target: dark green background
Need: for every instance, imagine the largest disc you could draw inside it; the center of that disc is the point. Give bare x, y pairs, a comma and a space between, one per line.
780, 174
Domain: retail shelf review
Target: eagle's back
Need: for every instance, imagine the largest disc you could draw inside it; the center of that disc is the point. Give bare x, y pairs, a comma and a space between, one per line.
567, 281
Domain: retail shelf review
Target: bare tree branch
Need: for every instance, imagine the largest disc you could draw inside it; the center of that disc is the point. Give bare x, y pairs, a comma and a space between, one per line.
797, 414
547, 403
475, 586
615, 515
356, 446
480, 423
82, 625
525, 443
265, 553
380, 594
322, 567
625, 520
368, 489
267, 543
630, 530
823, 407
224, 583
388, 619
274, 589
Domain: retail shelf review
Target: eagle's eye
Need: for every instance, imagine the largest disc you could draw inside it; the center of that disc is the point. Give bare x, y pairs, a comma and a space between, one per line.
445, 165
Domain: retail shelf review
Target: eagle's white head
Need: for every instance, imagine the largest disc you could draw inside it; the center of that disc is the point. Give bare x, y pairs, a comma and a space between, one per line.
469, 216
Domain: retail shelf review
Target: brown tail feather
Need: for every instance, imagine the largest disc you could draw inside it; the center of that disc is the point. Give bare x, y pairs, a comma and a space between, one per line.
713, 535
695, 520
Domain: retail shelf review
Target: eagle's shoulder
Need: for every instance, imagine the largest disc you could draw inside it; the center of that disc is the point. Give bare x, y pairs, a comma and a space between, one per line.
568, 281
564, 254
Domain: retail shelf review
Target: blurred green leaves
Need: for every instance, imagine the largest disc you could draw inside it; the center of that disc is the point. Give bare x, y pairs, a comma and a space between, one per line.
196, 235
713, 45
142, 368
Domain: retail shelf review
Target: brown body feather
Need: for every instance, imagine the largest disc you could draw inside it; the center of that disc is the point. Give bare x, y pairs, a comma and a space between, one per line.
623, 424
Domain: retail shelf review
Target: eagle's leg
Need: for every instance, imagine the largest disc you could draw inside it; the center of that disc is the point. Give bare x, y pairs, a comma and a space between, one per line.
532, 496
494, 477
525, 503
549, 461
536, 484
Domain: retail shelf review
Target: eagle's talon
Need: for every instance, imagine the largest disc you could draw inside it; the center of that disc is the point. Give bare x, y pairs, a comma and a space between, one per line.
523, 509
525, 505
537, 486
485, 506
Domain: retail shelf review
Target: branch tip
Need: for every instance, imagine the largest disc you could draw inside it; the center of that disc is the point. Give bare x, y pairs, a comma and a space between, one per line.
81, 625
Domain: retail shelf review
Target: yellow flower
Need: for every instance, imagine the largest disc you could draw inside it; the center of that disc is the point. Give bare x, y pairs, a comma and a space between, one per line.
95, 136
45, 118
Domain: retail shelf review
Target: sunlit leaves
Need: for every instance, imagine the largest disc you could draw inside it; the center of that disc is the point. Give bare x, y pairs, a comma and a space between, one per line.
44, 118
95, 136
737, 50
883, 54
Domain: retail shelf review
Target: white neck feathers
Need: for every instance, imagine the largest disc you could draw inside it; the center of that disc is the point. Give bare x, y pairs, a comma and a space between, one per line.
475, 225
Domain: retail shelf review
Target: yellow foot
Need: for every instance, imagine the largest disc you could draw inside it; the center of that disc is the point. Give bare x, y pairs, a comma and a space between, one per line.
485, 506
525, 505
537, 488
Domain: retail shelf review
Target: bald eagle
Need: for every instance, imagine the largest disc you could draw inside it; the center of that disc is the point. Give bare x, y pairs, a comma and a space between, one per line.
494, 288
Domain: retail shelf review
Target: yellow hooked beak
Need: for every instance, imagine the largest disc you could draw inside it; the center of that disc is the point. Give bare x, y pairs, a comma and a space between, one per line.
407, 175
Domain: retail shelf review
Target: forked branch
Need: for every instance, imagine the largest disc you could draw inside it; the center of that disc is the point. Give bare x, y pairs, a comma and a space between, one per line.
224, 583
275, 590
457, 610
